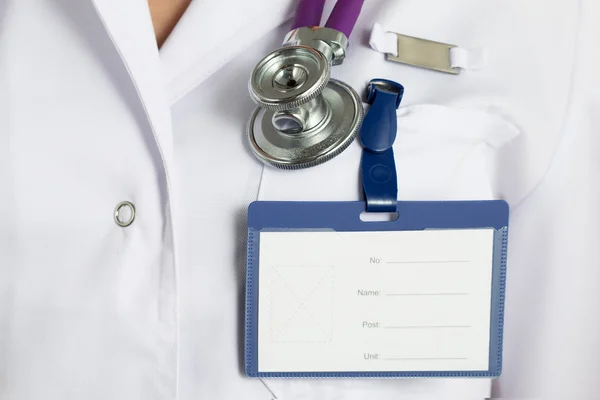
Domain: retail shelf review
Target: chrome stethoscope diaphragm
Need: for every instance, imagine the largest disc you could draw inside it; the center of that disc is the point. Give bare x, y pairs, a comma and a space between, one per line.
289, 77
303, 117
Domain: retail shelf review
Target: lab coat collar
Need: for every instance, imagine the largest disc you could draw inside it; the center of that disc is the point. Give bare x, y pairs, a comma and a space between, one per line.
129, 26
208, 35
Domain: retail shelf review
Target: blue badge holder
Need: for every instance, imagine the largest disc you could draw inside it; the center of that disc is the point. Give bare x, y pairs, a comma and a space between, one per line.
380, 188
345, 217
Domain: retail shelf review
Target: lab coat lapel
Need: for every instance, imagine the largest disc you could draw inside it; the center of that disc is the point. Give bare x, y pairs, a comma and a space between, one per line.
211, 33
130, 28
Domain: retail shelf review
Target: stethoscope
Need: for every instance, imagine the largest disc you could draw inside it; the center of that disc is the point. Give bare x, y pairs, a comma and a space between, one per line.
303, 117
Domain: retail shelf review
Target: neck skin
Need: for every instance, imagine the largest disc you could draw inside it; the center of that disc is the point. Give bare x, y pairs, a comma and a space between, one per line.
165, 15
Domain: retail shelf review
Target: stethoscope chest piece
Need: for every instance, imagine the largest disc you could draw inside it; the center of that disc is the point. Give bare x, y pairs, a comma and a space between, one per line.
289, 77
303, 117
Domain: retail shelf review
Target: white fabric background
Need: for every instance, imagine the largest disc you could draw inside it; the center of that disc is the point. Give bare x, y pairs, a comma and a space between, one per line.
553, 297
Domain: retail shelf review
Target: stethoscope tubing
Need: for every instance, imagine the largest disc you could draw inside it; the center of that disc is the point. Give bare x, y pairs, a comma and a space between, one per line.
342, 18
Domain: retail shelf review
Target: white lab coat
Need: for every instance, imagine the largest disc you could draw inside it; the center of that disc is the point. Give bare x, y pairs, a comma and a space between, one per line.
92, 114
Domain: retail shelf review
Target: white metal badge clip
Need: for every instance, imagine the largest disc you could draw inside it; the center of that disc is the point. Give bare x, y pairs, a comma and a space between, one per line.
425, 53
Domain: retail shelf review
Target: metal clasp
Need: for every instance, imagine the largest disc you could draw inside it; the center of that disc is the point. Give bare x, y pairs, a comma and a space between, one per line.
424, 53
117, 214
330, 42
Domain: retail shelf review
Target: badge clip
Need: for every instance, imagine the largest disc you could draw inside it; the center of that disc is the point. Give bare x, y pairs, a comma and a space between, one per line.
377, 135
425, 53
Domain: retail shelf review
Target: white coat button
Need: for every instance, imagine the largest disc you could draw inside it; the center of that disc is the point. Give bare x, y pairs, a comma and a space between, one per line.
124, 213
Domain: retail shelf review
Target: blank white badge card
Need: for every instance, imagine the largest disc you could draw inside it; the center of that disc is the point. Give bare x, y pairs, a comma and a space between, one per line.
332, 301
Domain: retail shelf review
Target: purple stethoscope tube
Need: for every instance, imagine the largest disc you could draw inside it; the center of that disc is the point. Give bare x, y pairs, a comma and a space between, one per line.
342, 18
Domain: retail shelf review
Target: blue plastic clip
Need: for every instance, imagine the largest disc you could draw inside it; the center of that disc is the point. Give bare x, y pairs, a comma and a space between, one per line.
377, 135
